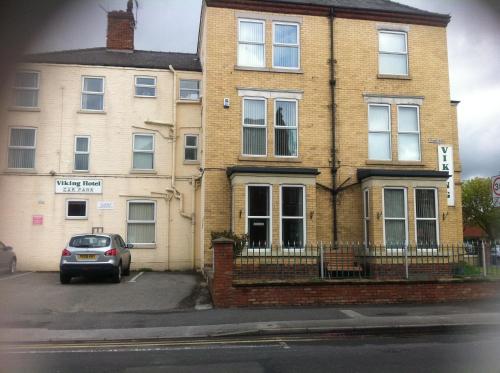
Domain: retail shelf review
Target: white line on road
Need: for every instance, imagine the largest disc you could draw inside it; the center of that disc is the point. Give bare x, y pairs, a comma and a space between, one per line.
352, 314
15, 276
136, 277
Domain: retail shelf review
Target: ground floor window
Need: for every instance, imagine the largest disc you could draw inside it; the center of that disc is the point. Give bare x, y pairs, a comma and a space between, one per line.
141, 222
76, 209
292, 216
395, 217
259, 215
426, 217
366, 215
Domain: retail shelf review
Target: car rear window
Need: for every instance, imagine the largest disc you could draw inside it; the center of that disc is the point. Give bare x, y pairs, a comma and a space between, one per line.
89, 241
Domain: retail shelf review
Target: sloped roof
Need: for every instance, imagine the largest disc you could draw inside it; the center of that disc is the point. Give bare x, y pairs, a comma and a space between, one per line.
105, 57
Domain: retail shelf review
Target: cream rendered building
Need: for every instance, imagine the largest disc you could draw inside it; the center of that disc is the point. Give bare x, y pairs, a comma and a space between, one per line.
104, 139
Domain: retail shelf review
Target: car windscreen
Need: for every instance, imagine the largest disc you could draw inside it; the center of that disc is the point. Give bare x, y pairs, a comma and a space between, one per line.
89, 241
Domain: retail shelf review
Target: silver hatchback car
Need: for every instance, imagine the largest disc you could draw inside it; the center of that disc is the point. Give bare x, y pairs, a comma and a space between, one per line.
93, 254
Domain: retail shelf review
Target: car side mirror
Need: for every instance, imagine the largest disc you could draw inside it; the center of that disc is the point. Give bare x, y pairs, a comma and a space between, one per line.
130, 246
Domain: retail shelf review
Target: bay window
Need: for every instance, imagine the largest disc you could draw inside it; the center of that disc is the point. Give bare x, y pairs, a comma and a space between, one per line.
426, 217
293, 216
285, 125
408, 133
395, 218
254, 127
393, 53
379, 135
286, 45
259, 216
251, 43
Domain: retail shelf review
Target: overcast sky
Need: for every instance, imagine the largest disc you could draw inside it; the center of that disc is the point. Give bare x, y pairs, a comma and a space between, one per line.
473, 42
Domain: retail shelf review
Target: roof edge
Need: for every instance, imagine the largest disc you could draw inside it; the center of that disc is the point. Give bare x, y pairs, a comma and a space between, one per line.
364, 173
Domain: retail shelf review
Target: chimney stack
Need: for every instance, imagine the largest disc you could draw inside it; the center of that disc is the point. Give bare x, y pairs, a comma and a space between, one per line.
121, 26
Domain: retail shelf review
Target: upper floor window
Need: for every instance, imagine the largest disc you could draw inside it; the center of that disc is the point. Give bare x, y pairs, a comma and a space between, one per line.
254, 127
408, 133
93, 93
286, 45
189, 89
251, 43
82, 153
191, 148
22, 145
393, 53
145, 86
285, 127
144, 148
26, 88
379, 132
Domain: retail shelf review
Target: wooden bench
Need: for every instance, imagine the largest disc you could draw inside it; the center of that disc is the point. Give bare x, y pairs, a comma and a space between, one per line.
340, 262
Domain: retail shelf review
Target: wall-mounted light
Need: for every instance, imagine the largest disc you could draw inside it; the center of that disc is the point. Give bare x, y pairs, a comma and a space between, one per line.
379, 215
311, 214
445, 214
241, 213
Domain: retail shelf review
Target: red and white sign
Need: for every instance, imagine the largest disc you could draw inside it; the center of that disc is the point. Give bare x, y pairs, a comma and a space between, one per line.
37, 220
495, 190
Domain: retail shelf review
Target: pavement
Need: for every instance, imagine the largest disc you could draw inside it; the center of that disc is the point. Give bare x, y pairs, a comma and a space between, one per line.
192, 317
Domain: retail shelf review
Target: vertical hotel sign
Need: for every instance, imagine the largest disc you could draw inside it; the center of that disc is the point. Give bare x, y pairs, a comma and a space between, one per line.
445, 161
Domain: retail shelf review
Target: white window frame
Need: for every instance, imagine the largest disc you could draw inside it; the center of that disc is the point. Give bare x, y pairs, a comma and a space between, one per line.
137, 85
405, 191
80, 152
412, 132
143, 244
37, 88
252, 43
436, 219
366, 215
278, 127
93, 93
270, 217
397, 53
389, 131
68, 201
22, 147
186, 146
276, 44
143, 151
303, 217
252, 126
191, 90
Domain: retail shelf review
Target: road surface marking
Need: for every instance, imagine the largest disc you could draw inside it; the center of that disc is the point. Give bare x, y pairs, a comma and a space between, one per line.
352, 314
136, 277
15, 276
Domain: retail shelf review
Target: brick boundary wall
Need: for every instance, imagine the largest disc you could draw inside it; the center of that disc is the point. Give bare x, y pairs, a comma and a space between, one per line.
226, 292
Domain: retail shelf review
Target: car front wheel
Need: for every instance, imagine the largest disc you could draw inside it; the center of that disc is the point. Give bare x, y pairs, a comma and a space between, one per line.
117, 275
65, 279
13, 266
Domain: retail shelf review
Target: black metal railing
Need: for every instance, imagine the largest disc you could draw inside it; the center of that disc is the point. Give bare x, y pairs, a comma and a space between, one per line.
361, 261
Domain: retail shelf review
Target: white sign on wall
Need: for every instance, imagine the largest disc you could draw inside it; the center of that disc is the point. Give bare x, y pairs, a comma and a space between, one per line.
495, 190
105, 205
78, 186
445, 162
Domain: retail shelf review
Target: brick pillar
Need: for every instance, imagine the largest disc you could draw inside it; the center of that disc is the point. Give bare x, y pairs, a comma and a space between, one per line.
221, 288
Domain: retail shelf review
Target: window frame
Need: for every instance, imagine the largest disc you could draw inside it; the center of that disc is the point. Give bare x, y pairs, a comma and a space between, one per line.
191, 90
278, 127
275, 44
243, 126
405, 191
394, 53
80, 152
134, 151
303, 217
366, 216
411, 133
186, 146
15, 88
389, 132
137, 85
263, 43
83, 92
436, 219
154, 221
68, 201
269, 217
9, 147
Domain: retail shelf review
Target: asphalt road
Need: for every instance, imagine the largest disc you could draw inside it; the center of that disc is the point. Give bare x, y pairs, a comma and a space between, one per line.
313, 353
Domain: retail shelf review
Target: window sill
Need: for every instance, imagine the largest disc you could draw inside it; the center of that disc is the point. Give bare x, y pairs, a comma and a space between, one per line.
20, 171
101, 112
269, 69
137, 96
397, 77
81, 171
396, 163
144, 172
143, 246
77, 218
191, 162
269, 159
180, 101
22, 108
